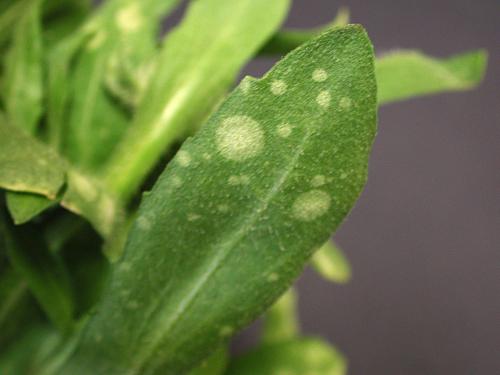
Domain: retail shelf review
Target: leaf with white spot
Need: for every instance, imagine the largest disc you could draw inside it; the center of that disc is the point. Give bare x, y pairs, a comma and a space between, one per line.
215, 254
294, 357
197, 64
405, 74
331, 263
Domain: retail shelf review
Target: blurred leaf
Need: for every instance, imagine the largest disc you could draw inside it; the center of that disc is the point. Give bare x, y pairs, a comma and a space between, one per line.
119, 31
22, 90
214, 365
26, 165
10, 13
222, 36
44, 274
213, 240
331, 263
287, 40
295, 357
281, 323
405, 74
25, 206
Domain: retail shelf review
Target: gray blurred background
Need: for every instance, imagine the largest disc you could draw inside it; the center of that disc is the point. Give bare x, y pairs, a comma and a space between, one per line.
424, 239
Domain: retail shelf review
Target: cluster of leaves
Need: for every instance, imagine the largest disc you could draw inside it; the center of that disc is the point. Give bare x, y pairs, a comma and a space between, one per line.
94, 107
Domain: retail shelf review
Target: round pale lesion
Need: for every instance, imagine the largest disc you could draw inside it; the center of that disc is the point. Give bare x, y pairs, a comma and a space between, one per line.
239, 138
311, 205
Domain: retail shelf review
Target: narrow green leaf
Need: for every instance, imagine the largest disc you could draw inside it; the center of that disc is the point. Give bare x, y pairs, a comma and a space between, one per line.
287, 40
405, 74
331, 263
281, 322
294, 357
10, 13
27, 165
43, 273
244, 203
222, 36
22, 89
25, 206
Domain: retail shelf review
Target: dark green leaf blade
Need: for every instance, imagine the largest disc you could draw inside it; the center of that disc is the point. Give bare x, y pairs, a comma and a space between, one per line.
43, 272
405, 74
239, 211
295, 357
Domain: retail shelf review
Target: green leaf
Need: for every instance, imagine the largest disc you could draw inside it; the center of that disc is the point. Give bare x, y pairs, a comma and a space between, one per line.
121, 30
295, 357
281, 322
244, 203
405, 74
22, 90
214, 365
287, 40
10, 13
222, 36
25, 206
331, 263
43, 272
27, 165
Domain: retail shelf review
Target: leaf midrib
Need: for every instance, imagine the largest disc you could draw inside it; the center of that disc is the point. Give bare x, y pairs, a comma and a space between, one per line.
219, 260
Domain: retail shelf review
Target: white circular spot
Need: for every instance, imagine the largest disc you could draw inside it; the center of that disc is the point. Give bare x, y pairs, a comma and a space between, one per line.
284, 130
239, 138
318, 180
223, 208
345, 103
176, 181
311, 205
193, 217
183, 158
278, 87
245, 85
273, 277
129, 19
143, 223
238, 180
324, 98
320, 75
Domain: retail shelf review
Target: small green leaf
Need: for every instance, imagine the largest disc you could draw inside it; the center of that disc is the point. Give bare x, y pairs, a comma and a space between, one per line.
281, 322
43, 272
222, 36
331, 263
405, 74
287, 40
10, 13
287, 151
27, 165
22, 89
25, 206
294, 357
